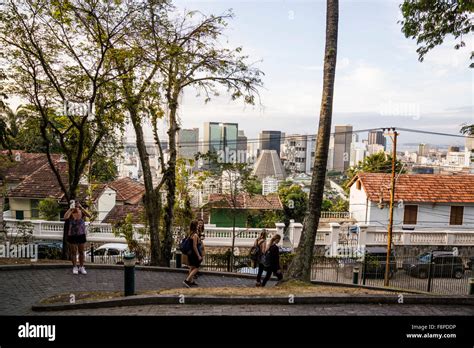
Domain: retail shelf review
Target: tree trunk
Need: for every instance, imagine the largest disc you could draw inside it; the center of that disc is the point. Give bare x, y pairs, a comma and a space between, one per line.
171, 188
152, 199
233, 241
300, 268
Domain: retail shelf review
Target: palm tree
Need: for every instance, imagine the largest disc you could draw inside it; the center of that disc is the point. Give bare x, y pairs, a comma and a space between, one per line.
300, 268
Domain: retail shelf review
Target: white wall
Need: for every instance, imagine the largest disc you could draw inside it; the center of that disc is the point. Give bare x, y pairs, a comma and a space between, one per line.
433, 215
105, 203
358, 203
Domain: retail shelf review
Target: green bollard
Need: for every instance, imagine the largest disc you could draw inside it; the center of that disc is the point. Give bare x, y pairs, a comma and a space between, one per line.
355, 276
129, 274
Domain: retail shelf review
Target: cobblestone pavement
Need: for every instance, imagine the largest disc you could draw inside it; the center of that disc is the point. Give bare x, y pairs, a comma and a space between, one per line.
299, 310
20, 289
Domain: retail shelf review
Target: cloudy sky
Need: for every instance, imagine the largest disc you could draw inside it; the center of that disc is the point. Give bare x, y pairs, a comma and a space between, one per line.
379, 80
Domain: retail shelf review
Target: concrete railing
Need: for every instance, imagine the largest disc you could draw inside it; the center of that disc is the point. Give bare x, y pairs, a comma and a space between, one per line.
335, 215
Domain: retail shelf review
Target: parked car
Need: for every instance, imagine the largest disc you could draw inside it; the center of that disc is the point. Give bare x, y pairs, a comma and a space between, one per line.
110, 253
374, 262
50, 250
441, 264
470, 263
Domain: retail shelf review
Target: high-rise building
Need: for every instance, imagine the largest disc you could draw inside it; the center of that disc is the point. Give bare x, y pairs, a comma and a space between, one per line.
342, 148
241, 146
377, 137
269, 165
221, 138
294, 153
270, 140
423, 150
188, 143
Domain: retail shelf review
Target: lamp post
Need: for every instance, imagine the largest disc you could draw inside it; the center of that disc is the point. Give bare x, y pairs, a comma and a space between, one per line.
129, 274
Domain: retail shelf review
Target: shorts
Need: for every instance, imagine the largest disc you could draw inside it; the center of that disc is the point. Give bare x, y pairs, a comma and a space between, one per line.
193, 260
76, 239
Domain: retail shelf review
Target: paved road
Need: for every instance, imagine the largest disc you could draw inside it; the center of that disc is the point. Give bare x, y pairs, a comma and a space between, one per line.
285, 310
20, 289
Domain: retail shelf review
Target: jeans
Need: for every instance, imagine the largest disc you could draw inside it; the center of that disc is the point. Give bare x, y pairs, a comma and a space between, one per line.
261, 268
279, 275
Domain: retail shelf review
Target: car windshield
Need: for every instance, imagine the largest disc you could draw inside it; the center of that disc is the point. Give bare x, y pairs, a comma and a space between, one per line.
424, 257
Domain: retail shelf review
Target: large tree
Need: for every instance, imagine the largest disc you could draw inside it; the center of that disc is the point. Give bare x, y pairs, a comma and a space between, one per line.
300, 267
58, 56
431, 21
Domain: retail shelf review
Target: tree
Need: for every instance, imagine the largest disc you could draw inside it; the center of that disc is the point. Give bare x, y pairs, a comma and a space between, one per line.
58, 55
194, 58
378, 162
295, 202
467, 129
49, 209
300, 267
430, 21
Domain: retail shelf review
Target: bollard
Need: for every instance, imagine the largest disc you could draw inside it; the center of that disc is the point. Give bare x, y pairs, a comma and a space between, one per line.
129, 274
471, 286
355, 275
178, 256
92, 252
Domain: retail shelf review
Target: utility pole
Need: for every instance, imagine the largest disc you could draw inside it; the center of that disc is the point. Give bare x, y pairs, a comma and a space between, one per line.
393, 135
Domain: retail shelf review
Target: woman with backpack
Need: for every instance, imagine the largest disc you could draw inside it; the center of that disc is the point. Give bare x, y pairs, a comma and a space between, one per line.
201, 235
194, 255
271, 260
257, 252
76, 237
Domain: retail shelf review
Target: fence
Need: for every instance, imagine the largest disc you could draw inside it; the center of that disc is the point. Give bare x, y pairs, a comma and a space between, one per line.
449, 277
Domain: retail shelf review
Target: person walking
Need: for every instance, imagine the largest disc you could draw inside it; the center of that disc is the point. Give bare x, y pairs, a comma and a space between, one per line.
259, 248
194, 256
202, 249
272, 260
76, 237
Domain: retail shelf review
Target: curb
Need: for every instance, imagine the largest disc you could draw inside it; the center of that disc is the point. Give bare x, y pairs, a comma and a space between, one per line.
140, 300
371, 287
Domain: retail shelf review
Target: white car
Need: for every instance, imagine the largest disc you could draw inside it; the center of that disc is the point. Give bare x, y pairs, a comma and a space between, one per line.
110, 253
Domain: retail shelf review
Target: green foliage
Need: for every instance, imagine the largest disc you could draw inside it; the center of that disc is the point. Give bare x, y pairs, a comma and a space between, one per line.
326, 205
183, 212
431, 21
254, 186
295, 202
376, 163
467, 129
49, 209
264, 219
103, 169
126, 230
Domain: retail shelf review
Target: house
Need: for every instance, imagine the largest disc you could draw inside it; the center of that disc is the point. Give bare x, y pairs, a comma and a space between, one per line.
42, 183
222, 210
421, 201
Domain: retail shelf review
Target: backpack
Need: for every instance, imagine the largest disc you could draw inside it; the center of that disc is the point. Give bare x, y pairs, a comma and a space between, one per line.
256, 252
186, 245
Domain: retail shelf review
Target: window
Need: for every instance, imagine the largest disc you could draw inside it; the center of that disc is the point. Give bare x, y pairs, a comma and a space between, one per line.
99, 252
457, 213
410, 215
358, 185
113, 252
34, 208
19, 215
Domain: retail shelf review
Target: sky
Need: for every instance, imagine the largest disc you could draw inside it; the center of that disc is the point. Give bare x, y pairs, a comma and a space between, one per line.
379, 80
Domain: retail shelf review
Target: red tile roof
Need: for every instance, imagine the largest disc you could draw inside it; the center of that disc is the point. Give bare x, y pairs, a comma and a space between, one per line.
128, 190
246, 201
27, 164
430, 188
120, 212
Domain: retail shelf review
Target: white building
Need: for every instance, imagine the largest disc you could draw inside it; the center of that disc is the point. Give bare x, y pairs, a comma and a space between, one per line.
421, 201
358, 153
269, 185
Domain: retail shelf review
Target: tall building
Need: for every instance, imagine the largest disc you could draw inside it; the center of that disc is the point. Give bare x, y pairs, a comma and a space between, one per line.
295, 153
221, 138
377, 137
358, 153
241, 147
188, 143
269, 165
342, 147
423, 150
270, 140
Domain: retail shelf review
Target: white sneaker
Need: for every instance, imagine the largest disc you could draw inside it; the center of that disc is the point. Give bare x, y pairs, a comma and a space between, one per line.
82, 270
75, 270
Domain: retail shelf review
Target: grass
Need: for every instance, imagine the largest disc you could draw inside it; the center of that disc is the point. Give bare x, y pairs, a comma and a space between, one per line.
294, 287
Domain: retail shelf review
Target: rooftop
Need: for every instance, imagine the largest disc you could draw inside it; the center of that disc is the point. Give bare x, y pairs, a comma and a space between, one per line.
128, 190
246, 201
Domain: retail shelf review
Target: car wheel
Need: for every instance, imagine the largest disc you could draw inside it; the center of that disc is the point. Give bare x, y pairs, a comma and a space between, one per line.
458, 274
423, 274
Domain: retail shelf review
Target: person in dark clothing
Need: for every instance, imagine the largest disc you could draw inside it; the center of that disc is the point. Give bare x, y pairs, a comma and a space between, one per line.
195, 256
201, 237
260, 242
272, 260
